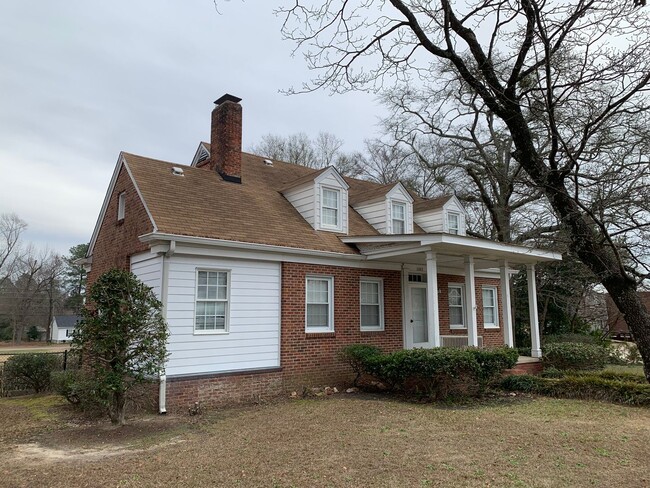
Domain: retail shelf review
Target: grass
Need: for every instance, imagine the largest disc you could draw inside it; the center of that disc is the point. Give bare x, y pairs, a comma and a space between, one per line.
636, 368
339, 441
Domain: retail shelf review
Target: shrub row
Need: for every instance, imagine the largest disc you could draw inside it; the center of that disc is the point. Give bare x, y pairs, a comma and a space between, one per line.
32, 371
575, 356
586, 387
439, 372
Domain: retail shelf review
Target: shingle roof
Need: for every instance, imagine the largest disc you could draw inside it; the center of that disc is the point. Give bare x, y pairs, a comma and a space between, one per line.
371, 194
201, 204
67, 321
432, 204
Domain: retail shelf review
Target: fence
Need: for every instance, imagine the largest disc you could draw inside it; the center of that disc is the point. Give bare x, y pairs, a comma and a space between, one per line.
11, 385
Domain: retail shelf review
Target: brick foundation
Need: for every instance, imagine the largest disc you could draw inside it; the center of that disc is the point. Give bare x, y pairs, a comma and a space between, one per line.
525, 368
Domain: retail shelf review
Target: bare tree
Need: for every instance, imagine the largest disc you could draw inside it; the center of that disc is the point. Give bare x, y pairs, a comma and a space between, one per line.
325, 150
11, 228
563, 79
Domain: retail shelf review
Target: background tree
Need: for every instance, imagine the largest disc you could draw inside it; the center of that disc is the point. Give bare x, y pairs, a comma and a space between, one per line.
74, 278
11, 229
123, 337
567, 81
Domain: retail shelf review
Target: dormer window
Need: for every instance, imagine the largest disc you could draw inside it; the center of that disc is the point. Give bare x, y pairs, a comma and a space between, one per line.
453, 222
330, 208
399, 218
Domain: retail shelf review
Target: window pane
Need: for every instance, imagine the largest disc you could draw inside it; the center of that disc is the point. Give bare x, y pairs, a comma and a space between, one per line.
370, 315
488, 315
200, 323
222, 292
330, 216
455, 297
317, 315
220, 308
222, 279
399, 211
317, 291
202, 292
220, 322
369, 293
213, 279
455, 316
488, 297
330, 198
398, 226
203, 277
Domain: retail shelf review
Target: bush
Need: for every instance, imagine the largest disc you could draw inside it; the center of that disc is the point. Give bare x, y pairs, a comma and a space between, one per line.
356, 355
79, 389
439, 372
31, 370
575, 338
586, 387
624, 353
575, 356
524, 351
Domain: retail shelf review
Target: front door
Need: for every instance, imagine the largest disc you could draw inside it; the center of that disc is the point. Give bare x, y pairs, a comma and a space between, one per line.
417, 330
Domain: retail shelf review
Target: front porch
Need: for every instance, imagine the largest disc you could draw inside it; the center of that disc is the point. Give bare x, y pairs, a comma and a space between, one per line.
456, 289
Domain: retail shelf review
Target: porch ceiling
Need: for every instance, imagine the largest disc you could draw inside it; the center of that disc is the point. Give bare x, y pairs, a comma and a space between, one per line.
450, 249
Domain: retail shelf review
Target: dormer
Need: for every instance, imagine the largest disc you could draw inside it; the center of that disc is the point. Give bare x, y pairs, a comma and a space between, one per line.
388, 208
322, 199
443, 214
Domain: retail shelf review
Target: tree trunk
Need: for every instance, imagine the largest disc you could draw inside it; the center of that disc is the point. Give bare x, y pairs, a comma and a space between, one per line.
117, 407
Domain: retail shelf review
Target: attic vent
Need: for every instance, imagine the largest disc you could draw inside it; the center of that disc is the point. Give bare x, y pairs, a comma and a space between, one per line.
268, 162
177, 171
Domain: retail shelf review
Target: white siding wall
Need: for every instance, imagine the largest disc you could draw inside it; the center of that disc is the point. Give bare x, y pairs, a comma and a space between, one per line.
431, 220
148, 268
253, 340
303, 199
454, 206
375, 214
409, 214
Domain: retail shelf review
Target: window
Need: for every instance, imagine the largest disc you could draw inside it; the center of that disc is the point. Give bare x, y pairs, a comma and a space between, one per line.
371, 291
319, 316
212, 294
121, 205
456, 308
68, 333
490, 311
453, 223
399, 218
330, 200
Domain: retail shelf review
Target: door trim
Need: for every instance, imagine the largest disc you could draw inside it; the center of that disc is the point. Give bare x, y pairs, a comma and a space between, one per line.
408, 313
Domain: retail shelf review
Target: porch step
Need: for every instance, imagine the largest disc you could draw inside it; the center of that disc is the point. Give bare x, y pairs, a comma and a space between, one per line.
526, 365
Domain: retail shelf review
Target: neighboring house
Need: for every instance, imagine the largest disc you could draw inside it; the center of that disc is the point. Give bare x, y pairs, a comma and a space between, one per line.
267, 269
62, 327
616, 324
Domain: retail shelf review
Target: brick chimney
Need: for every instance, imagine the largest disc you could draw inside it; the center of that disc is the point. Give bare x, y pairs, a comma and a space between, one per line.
225, 138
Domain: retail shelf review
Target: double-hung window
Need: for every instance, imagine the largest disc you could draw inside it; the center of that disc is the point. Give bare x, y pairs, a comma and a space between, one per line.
330, 208
319, 304
398, 214
456, 307
490, 311
453, 223
371, 294
212, 296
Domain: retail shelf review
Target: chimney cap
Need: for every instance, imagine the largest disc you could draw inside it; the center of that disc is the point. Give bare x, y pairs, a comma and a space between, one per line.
227, 98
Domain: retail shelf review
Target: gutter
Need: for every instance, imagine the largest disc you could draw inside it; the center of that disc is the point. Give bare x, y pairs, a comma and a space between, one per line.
164, 292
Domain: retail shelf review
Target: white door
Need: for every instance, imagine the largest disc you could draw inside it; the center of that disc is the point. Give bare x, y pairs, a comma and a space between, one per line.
417, 331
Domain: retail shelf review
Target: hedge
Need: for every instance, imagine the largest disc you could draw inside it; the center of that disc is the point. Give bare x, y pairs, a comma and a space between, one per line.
30, 371
586, 387
438, 372
575, 356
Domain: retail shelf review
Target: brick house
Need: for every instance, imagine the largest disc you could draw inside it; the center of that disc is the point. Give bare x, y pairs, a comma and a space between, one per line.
266, 269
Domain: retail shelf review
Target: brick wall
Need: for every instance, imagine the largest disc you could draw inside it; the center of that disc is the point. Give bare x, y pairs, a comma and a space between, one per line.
491, 337
222, 389
117, 241
311, 359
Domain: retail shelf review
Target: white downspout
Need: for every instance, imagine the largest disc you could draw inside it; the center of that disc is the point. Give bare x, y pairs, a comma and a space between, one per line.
164, 289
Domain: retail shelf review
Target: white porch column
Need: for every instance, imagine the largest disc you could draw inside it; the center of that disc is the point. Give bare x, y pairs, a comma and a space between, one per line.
433, 317
536, 350
506, 310
470, 301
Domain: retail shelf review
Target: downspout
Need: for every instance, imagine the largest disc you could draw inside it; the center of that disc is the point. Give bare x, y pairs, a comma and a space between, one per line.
164, 289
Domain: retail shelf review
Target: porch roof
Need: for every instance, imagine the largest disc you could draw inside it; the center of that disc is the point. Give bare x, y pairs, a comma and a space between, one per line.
378, 247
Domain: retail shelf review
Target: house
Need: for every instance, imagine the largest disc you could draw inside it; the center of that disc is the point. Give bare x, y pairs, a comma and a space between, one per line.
616, 325
266, 269
62, 327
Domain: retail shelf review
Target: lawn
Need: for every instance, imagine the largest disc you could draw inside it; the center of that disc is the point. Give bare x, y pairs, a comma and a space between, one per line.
342, 440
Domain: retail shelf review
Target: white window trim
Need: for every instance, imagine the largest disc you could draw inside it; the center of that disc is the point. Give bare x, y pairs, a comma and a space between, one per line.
226, 329
339, 211
462, 298
496, 308
121, 206
380, 282
449, 228
393, 204
330, 294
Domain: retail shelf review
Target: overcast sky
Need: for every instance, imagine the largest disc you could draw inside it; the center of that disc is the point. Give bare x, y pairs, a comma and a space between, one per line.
82, 80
